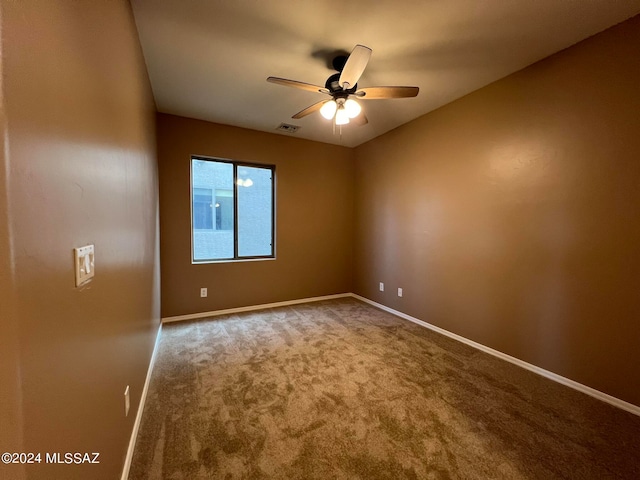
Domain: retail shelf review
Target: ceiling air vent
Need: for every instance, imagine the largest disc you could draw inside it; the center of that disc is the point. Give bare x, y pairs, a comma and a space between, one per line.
285, 127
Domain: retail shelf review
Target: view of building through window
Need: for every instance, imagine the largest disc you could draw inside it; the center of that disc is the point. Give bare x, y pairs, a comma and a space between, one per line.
233, 210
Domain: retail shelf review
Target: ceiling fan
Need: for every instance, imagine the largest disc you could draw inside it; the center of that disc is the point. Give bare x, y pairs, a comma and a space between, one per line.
342, 87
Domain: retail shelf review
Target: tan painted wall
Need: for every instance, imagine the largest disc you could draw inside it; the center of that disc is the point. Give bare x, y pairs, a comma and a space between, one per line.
510, 216
314, 200
11, 418
82, 170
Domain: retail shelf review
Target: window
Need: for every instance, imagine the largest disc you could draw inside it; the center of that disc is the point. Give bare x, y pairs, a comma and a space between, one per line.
232, 206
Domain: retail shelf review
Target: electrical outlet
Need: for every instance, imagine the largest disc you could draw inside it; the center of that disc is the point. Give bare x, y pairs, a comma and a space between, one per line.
381, 287
203, 292
127, 404
399, 292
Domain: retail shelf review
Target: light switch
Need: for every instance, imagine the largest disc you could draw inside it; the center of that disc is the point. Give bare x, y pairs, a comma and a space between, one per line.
84, 264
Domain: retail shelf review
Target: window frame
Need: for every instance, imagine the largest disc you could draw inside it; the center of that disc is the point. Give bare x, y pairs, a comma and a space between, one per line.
236, 164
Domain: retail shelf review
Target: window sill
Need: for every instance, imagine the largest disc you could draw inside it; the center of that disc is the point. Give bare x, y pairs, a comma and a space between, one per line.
231, 260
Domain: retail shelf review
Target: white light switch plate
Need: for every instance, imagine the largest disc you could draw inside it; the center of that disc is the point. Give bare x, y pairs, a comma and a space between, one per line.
84, 264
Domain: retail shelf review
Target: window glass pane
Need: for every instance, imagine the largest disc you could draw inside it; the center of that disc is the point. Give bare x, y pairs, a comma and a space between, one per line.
212, 232
255, 195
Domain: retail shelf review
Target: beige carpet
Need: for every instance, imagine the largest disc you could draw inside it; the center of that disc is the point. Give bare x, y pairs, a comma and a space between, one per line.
341, 390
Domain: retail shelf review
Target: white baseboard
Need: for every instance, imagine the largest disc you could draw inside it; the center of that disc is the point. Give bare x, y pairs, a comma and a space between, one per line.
616, 402
215, 313
143, 397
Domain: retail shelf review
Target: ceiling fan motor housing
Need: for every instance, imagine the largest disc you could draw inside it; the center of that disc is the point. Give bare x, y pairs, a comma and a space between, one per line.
332, 84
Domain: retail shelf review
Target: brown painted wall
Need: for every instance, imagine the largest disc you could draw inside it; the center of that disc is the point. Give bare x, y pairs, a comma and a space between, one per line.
510, 216
314, 212
81, 170
11, 418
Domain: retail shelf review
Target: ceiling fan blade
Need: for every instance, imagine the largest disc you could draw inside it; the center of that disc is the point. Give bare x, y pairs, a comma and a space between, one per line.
360, 119
372, 93
309, 110
356, 63
295, 84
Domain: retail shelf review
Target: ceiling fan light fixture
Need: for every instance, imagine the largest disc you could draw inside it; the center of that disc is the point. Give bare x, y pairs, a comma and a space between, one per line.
352, 107
328, 110
342, 116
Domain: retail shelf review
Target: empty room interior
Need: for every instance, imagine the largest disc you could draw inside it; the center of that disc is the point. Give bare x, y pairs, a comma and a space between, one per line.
337, 240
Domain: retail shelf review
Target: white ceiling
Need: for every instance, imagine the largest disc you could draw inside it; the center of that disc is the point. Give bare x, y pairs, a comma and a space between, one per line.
209, 59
